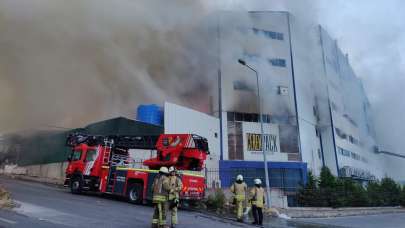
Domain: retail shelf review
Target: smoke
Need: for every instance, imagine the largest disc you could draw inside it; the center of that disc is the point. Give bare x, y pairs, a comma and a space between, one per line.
67, 63
70, 63
372, 32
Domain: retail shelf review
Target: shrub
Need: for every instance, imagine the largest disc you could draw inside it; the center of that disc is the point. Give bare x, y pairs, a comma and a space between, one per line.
308, 195
329, 191
390, 192
402, 197
216, 200
354, 194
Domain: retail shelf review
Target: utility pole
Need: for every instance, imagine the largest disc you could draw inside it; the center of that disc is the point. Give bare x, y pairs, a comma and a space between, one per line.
266, 170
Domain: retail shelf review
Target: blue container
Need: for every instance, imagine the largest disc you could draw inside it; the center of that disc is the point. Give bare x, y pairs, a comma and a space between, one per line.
152, 114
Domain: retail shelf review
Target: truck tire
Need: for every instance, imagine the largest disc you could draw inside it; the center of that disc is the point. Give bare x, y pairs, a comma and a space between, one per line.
135, 193
76, 185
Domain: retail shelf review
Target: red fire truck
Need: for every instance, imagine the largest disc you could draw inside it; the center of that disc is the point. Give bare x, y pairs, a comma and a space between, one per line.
102, 164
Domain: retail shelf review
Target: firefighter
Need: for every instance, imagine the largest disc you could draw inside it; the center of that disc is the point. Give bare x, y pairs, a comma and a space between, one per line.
174, 194
239, 189
160, 188
257, 200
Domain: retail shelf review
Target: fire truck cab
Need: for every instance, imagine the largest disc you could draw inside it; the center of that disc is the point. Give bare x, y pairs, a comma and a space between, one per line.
102, 164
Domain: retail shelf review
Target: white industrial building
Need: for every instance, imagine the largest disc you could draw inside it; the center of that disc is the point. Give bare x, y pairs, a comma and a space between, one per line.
315, 109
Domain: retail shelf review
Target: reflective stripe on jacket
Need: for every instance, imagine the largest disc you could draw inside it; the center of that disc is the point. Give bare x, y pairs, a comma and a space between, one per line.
160, 188
239, 189
176, 186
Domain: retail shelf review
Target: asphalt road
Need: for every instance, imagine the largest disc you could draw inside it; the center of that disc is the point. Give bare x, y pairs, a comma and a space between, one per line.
370, 221
49, 206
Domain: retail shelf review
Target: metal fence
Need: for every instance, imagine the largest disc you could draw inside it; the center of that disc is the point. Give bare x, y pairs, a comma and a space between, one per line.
287, 180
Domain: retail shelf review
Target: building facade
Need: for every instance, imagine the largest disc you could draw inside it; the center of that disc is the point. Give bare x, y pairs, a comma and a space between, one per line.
315, 110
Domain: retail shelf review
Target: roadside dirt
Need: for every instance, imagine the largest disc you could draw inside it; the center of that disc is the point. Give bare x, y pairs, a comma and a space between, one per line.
5, 199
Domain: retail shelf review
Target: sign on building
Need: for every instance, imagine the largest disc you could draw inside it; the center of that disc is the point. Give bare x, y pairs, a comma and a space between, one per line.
254, 142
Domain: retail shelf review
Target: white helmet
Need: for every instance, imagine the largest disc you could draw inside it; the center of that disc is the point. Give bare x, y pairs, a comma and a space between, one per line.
164, 170
239, 177
172, 169
258, 181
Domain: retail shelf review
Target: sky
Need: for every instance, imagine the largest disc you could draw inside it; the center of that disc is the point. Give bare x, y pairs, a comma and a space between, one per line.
373, 34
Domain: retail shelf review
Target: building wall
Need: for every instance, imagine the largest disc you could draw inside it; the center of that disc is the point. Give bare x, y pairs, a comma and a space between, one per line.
251, 131
249, 36
312, 103
180, 119
352, 126
262, 40
329, 96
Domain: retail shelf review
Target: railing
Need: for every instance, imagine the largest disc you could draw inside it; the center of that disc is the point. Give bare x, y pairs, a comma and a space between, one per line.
287, 182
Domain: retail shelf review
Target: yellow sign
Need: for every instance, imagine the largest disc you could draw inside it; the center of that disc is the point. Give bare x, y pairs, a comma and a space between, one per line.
254, 142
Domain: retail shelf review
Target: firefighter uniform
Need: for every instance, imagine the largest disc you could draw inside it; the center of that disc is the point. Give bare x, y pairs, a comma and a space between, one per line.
239, 189
160, 189
257, 200
174, 196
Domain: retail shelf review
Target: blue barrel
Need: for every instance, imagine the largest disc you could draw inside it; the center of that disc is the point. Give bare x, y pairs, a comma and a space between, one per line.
150, 113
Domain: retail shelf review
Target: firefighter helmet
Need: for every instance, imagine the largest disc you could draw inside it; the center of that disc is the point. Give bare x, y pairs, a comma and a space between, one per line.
258, 181
239, 177
172, 169
164, 170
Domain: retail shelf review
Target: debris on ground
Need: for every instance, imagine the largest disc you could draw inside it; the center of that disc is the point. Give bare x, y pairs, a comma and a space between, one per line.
273, 212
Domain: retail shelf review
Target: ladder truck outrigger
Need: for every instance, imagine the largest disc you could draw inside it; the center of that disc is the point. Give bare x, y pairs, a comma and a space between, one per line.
103, 164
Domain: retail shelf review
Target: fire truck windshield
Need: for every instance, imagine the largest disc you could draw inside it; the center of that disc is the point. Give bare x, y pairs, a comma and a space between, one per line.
91, 155
76, 155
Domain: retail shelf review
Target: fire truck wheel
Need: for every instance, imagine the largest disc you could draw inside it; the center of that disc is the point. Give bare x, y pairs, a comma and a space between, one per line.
134, 193
76, 185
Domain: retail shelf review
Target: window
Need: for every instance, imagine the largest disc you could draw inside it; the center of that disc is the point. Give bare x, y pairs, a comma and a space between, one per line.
91, 155
255, 117
266, 118
268, 34
355, 156
235, 141
278, 62
353, 140
343, 152
76, 155
340, 133
251, 57
241, 85
230, 116
247, 117
288, 138
238, 116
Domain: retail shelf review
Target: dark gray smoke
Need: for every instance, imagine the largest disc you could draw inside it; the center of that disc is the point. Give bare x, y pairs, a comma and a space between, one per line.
67, 63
